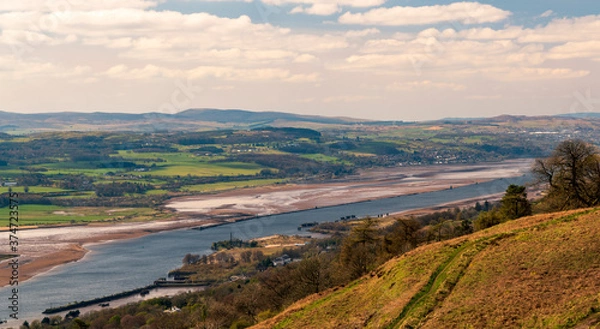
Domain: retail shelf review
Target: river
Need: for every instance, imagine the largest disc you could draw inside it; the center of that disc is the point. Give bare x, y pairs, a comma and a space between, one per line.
127, 264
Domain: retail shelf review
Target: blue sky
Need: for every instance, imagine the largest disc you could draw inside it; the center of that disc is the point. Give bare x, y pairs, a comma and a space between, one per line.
523, 10
374, 59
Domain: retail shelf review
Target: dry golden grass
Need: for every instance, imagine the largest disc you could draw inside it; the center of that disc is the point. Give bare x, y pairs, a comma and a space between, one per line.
538, 272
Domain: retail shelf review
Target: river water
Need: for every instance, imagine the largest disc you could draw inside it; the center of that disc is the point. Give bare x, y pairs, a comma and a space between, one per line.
128, 264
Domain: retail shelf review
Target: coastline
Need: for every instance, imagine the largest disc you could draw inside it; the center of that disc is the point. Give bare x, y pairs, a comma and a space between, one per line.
56, 246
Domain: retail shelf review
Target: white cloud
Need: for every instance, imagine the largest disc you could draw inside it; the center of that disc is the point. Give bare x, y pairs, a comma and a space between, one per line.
484, 97
136, 47
586, 49
424, 84
312, 77
547, 13
338, 3
565, 30
361, 33
349, 98
16, 69
314, 7
486, 33
321, 9
305, 58
534, 73
463, 12
226, 73
73, 5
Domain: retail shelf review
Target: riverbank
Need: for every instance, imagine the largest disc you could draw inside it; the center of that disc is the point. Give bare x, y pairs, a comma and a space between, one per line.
366, 185
44, 248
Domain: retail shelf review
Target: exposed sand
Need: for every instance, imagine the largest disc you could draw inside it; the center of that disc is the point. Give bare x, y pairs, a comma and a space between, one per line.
367, 185
44, 248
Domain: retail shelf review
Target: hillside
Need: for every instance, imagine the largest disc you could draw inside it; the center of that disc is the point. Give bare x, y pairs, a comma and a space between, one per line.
536, 272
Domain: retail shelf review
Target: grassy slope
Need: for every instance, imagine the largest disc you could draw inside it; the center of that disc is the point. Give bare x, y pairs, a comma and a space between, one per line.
537, 272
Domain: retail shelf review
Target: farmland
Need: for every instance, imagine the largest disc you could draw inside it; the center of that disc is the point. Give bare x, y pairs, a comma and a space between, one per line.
143, 170
35, 215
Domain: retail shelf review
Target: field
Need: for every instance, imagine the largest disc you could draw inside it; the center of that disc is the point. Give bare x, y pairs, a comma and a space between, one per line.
48, 214
33, 189
536, 272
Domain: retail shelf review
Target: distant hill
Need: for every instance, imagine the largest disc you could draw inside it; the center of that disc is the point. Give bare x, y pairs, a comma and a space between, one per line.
249, 117
193, 119
587, 115
536, 272
516, 118
210, 119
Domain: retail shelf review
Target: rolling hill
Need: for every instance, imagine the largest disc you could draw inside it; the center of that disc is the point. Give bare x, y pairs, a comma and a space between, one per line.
537, 272
210, 119
192, 119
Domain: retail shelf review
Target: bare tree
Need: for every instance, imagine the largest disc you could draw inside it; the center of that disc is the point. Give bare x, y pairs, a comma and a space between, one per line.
572, 174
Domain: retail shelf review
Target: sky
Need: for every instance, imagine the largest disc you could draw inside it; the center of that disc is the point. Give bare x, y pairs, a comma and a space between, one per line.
371, 59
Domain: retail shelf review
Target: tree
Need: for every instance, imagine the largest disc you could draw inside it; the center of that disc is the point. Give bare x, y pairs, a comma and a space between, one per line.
359, 249
514, 203
311, 274
246, 256
190, 259
403, 237
488, 219
572, 174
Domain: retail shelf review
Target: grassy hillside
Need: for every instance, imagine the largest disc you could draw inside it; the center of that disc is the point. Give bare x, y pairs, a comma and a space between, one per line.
537, 272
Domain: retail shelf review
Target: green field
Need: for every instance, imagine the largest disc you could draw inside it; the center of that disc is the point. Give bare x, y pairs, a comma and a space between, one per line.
207, 169
169, 164
32, 189
48, 214
182, 164
321, 157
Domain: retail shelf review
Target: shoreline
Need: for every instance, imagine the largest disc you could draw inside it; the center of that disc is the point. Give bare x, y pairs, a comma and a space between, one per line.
74, 249
76, 252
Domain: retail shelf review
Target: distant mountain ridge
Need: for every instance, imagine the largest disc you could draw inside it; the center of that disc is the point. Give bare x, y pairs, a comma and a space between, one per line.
202, 119
191, 119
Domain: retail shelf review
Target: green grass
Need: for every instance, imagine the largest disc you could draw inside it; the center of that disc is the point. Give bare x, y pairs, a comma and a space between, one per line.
173, 157
320, 157
174, 164
49, 214
79, 195
207, 169
32, 189
182, 164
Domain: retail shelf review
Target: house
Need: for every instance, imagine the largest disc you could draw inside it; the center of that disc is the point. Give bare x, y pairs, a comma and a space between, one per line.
283, 260
9, 183
173, 309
